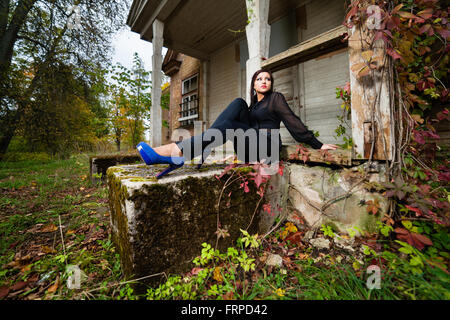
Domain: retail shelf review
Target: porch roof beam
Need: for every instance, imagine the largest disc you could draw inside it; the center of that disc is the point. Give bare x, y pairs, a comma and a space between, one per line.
186, 49
307, 50
162, 12
134, 15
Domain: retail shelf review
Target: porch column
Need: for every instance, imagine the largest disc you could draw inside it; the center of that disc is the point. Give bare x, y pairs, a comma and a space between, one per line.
258, 37
156, 112
372, 124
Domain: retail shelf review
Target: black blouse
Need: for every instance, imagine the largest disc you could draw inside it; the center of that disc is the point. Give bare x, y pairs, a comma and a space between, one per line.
272, 109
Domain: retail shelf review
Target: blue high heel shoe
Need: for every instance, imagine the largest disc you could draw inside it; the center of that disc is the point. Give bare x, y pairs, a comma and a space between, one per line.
151, 157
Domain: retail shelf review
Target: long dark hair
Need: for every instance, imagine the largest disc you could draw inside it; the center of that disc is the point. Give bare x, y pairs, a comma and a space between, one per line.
253, 96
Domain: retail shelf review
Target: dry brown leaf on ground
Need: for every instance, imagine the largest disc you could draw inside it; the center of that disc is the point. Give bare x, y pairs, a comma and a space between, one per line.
19, 286
47, 249
49, 228
4, 290
54, 287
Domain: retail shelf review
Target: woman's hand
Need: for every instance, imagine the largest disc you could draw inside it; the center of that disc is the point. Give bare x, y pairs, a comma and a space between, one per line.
329, 147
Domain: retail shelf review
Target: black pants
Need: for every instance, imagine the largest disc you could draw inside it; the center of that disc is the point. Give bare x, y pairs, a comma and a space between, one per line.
233, 124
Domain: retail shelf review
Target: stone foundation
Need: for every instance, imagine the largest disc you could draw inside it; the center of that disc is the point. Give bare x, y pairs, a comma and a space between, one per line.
338, 197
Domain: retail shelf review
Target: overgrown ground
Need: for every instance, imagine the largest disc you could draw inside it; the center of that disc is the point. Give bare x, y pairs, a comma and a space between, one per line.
43, 205
52, 217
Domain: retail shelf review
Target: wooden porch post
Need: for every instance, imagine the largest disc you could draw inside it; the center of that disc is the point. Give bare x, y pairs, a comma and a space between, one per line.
372, 124
156, 111
258, 37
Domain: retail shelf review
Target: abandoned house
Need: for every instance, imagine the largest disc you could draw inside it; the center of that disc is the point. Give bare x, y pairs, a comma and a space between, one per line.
212, 53
214, 47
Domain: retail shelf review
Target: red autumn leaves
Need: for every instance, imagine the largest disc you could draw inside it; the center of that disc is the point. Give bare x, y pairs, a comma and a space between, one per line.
416, 240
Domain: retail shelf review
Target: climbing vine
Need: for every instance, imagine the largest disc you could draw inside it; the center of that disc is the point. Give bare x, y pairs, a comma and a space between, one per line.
344, 94
244, 174
415, 36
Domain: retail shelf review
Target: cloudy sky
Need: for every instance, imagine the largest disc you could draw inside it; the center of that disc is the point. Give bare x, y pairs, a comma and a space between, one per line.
126, 43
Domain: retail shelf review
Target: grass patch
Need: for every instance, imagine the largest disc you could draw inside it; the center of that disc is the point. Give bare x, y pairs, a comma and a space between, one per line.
36, 196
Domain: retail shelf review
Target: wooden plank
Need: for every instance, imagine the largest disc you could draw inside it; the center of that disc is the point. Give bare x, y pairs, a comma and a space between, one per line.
323, 16
339, 157
326, 42
322, 109
370, 98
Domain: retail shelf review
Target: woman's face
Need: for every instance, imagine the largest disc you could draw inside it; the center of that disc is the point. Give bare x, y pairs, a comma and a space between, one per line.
263, 83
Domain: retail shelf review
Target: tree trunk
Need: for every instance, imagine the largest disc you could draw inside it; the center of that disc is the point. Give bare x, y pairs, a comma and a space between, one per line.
8, 38
9, 34
118, 144
9, 127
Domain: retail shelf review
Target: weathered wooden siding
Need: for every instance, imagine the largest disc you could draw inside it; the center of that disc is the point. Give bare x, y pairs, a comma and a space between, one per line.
224, 81
322, 16
318, 78
285, 81
316, 93
322, 76
243, 84
223, 85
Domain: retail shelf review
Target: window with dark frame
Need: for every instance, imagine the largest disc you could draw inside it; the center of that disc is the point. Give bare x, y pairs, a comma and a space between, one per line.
189, 104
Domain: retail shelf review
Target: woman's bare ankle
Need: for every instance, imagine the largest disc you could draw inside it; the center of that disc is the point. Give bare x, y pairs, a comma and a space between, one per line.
169, 150
175, 151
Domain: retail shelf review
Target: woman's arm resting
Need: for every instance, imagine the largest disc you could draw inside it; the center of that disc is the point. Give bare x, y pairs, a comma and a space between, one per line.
293, 123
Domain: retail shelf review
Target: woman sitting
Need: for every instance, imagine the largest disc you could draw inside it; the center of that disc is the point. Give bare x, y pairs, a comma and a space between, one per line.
254, 131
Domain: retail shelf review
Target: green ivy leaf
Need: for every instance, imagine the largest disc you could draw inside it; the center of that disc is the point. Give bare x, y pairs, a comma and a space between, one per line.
407, 224
405, 250
416, 261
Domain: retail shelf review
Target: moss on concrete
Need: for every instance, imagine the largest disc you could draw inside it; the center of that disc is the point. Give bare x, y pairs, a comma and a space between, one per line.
117, 195
172, 218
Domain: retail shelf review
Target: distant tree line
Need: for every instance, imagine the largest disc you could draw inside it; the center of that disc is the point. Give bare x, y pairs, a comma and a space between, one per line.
59, 92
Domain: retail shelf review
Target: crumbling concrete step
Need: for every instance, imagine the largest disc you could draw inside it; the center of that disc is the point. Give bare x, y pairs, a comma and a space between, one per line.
159, 225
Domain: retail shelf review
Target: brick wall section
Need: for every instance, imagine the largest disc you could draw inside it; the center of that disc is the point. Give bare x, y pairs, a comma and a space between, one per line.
165, 136
224, 85
189, 67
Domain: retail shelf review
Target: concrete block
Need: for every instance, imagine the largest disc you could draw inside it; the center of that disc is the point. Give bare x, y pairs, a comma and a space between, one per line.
159, 225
